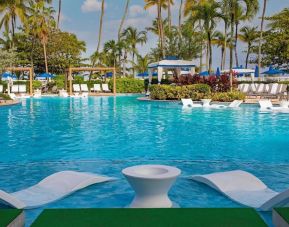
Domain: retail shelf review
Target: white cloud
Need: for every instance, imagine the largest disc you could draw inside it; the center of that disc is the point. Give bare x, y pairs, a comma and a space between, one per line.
91, 6
136, 10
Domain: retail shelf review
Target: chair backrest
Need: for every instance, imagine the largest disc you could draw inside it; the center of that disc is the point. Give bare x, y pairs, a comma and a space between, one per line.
1, 88
105, 87
76, 87
246, 88
274, 89
282, 88
15, 89
261, 88
240, 87
96, 87
235, 103
22, 88
253, 87
265, 104
84, 87
187, 102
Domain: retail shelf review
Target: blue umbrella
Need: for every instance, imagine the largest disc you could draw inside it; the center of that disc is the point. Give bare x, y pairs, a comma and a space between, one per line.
273, 71
205, 73
109, 74
257, 71
145, 74
218, 73
45, 76
6, 75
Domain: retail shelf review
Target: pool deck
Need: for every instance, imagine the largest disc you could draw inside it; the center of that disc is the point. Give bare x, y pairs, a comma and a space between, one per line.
9, 102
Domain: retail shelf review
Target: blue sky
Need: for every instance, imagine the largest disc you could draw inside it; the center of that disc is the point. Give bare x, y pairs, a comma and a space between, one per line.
82, 17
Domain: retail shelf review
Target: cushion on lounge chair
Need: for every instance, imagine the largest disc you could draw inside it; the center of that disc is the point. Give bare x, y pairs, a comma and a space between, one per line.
50, 189
244, 188
150, 218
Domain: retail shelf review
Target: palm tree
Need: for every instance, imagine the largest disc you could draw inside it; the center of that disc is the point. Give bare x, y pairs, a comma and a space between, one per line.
221, 40
160, 4
100, 26
169, 3
123, 19
11, 11
111, 49
141, 64
248, 35
208, 14
180, 17
261, 34
133, 38
40, 23
59, 13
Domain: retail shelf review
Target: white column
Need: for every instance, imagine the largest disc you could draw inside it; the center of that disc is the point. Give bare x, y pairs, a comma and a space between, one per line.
150, 76
160, 74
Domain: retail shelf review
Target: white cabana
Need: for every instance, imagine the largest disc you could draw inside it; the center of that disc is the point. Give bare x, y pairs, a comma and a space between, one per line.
250, 72
177, 65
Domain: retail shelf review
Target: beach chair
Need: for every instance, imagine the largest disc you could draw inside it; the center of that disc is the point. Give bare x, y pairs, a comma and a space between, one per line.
76, 88
15, 89
266, 105
84, 88
1, 88
282, 90
96, 88
246, 88
260, 89
22, 89
189, 103
234, 104
244, 188
50, 189
105, 88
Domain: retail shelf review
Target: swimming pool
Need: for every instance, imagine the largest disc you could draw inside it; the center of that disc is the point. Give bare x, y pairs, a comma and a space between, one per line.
106, 134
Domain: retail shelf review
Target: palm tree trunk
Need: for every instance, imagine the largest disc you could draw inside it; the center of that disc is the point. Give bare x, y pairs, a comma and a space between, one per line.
261, 35
231, 46
169, 15
100, 26
59, 13
225, 47
248, 54
201, 56
161, 28
210, 51
180, 18
207, 56
222, 58
123, 19
45, 56
236, 43
133, 69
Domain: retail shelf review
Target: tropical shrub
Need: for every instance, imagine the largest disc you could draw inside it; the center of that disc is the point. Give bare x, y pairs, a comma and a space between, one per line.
228, 96
128, 85
36, 84
168, 92
155, 81
4, 97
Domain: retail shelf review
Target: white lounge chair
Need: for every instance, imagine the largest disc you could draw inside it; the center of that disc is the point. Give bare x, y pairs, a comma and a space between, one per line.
22, 88
96, 88
244, 188
76, 88
15, 89
105, 88
1, 88
273, 89
84, 88
234, 104
246, 88
266, 105
50, 189
190, 103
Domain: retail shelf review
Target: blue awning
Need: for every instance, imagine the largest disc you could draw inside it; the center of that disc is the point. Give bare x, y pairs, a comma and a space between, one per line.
45, 76
7, 75
205, 73
273, 71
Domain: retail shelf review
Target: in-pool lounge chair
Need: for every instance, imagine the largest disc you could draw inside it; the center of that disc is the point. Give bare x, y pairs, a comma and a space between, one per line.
267, 106
105, 88
189, 103
234, 104
244, 188
50, 189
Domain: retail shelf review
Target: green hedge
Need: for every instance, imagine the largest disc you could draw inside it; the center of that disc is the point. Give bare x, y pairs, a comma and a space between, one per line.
4, 97
128, 85
168, 92
195, 92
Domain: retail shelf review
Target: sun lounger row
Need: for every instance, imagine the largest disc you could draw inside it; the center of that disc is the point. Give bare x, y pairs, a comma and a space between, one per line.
188, 103
263, 89
100, 88
18, 89
80, 88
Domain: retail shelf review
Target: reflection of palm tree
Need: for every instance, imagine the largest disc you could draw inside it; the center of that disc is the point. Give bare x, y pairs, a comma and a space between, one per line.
133, 38
248, 35
40, 23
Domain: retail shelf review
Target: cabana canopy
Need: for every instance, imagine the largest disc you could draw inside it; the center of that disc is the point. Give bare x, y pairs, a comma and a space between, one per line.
178, 65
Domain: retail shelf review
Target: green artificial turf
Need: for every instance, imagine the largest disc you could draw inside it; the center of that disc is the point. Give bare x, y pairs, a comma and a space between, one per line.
8, 215
283, 212
149, 218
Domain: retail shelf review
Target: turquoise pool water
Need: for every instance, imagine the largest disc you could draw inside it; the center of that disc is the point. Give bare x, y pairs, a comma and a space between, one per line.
106, 134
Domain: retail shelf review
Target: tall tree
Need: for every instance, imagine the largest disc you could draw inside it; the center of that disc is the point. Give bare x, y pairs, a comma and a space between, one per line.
59, 13
100, 25
123, 19
261, 34
133, 37
221, 40
40, 23
248, 35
